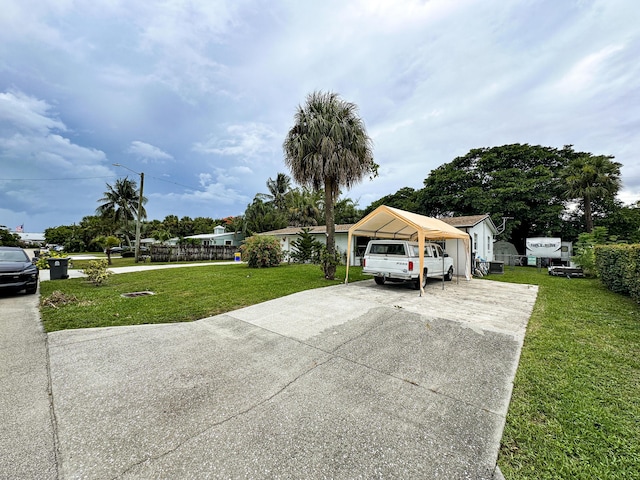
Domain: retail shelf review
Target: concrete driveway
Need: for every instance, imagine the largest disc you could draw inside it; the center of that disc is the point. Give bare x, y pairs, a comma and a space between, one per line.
350, 381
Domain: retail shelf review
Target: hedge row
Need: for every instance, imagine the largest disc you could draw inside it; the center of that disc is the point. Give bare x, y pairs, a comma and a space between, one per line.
619, 268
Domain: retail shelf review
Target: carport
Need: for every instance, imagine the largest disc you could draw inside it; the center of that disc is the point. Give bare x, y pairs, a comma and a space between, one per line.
392, 223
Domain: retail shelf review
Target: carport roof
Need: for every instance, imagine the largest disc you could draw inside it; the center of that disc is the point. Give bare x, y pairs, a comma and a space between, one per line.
389, 222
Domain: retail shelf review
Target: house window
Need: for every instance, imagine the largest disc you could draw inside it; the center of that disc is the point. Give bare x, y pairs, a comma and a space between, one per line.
488, 244
475, 242
227, 242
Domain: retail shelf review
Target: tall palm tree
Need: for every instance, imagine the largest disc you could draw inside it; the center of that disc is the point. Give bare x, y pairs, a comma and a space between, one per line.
591, 178
120, 203
328, 147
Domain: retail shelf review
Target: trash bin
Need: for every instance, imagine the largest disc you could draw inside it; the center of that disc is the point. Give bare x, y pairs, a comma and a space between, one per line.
238, 257
58, 268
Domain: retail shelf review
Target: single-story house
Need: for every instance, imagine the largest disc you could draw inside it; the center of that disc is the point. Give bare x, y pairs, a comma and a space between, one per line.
218, 237
32, 239
480, 228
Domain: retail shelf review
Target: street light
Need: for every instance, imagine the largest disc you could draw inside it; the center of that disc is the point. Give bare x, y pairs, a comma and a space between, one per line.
139, 208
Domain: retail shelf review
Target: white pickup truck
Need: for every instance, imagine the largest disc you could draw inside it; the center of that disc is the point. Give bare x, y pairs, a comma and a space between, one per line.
399, 261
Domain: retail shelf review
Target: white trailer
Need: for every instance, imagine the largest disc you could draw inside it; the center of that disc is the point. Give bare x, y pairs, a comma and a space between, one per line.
550, 250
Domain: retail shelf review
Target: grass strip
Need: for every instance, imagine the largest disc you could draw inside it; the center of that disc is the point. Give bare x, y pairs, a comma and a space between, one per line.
180, 294
575, 408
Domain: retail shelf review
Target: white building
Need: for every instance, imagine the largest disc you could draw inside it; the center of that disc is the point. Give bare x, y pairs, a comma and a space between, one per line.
219, 237
481, 230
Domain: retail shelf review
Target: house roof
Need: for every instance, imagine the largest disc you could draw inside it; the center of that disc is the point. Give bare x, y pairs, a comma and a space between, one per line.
318, 229
468, 221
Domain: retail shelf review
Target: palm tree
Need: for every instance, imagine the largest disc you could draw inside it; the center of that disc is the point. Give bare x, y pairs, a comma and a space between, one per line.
120, 203
306, 207
278, 190
328, 147
591, 178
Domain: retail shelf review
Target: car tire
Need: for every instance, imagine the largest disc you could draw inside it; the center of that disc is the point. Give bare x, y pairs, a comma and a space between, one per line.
416, 282
31, 290
449, 276
379, 280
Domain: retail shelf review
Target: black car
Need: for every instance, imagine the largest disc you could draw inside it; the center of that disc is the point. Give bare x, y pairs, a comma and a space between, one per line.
17, 271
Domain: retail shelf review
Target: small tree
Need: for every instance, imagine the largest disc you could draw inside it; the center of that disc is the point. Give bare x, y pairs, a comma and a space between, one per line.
306, 248
261, 251
97, 272
585, 253
107, 243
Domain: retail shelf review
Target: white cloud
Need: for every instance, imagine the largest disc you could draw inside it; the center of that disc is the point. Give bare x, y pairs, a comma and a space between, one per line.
146, 151
23, 112
248, 140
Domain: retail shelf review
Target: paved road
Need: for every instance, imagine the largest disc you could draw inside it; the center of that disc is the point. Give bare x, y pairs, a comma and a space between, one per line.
341, 382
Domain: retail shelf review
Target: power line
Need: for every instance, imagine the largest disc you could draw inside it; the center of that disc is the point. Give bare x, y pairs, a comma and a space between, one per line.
92, 178
50, 179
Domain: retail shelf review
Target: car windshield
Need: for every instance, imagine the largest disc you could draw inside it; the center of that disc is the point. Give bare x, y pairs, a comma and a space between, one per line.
13, 256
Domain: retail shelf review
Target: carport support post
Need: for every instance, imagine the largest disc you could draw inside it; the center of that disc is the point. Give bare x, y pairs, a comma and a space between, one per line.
444, 242
346, 276
421, 262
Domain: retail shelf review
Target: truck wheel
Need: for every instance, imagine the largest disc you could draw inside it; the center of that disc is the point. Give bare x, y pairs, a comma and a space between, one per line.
379, 280
449, 276
416, 282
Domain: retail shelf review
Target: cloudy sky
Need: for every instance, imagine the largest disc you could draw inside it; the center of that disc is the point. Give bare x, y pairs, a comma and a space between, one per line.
199, 94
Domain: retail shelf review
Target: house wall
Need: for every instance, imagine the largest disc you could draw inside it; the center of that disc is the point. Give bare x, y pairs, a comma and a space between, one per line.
482, 238
341, 239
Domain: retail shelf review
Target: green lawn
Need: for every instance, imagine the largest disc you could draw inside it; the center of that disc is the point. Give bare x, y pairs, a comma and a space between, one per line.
181, 294
575, 409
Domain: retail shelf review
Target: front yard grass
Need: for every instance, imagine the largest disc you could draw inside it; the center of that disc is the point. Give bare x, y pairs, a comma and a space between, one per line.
575, 408
180, 294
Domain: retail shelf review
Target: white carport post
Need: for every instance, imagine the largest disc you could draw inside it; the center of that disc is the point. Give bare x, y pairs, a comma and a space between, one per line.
346, 276
421, 262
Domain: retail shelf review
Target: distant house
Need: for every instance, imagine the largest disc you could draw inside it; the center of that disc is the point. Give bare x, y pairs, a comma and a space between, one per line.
219, 237
32, 239
482, 232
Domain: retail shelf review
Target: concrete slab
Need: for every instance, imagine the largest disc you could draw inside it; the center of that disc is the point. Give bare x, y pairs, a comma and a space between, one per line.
341, 382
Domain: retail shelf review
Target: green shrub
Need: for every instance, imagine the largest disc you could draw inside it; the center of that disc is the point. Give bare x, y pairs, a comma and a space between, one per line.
261, 251
97, 271
619, 268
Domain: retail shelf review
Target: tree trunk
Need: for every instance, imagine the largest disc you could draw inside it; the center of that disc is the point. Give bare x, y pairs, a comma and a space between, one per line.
329, 264
588, 216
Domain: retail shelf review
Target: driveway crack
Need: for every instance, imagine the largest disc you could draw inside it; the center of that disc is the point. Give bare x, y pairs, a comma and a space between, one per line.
228, 419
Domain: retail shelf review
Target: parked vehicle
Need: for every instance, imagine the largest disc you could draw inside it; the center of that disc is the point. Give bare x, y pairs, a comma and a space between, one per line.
17, 271
399, 261
550, 251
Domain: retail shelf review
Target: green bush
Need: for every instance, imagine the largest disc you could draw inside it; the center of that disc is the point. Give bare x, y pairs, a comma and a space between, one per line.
261, 251
619, 268
97, 271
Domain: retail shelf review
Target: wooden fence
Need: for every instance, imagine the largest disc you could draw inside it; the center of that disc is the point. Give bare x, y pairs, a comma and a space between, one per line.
189, 253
